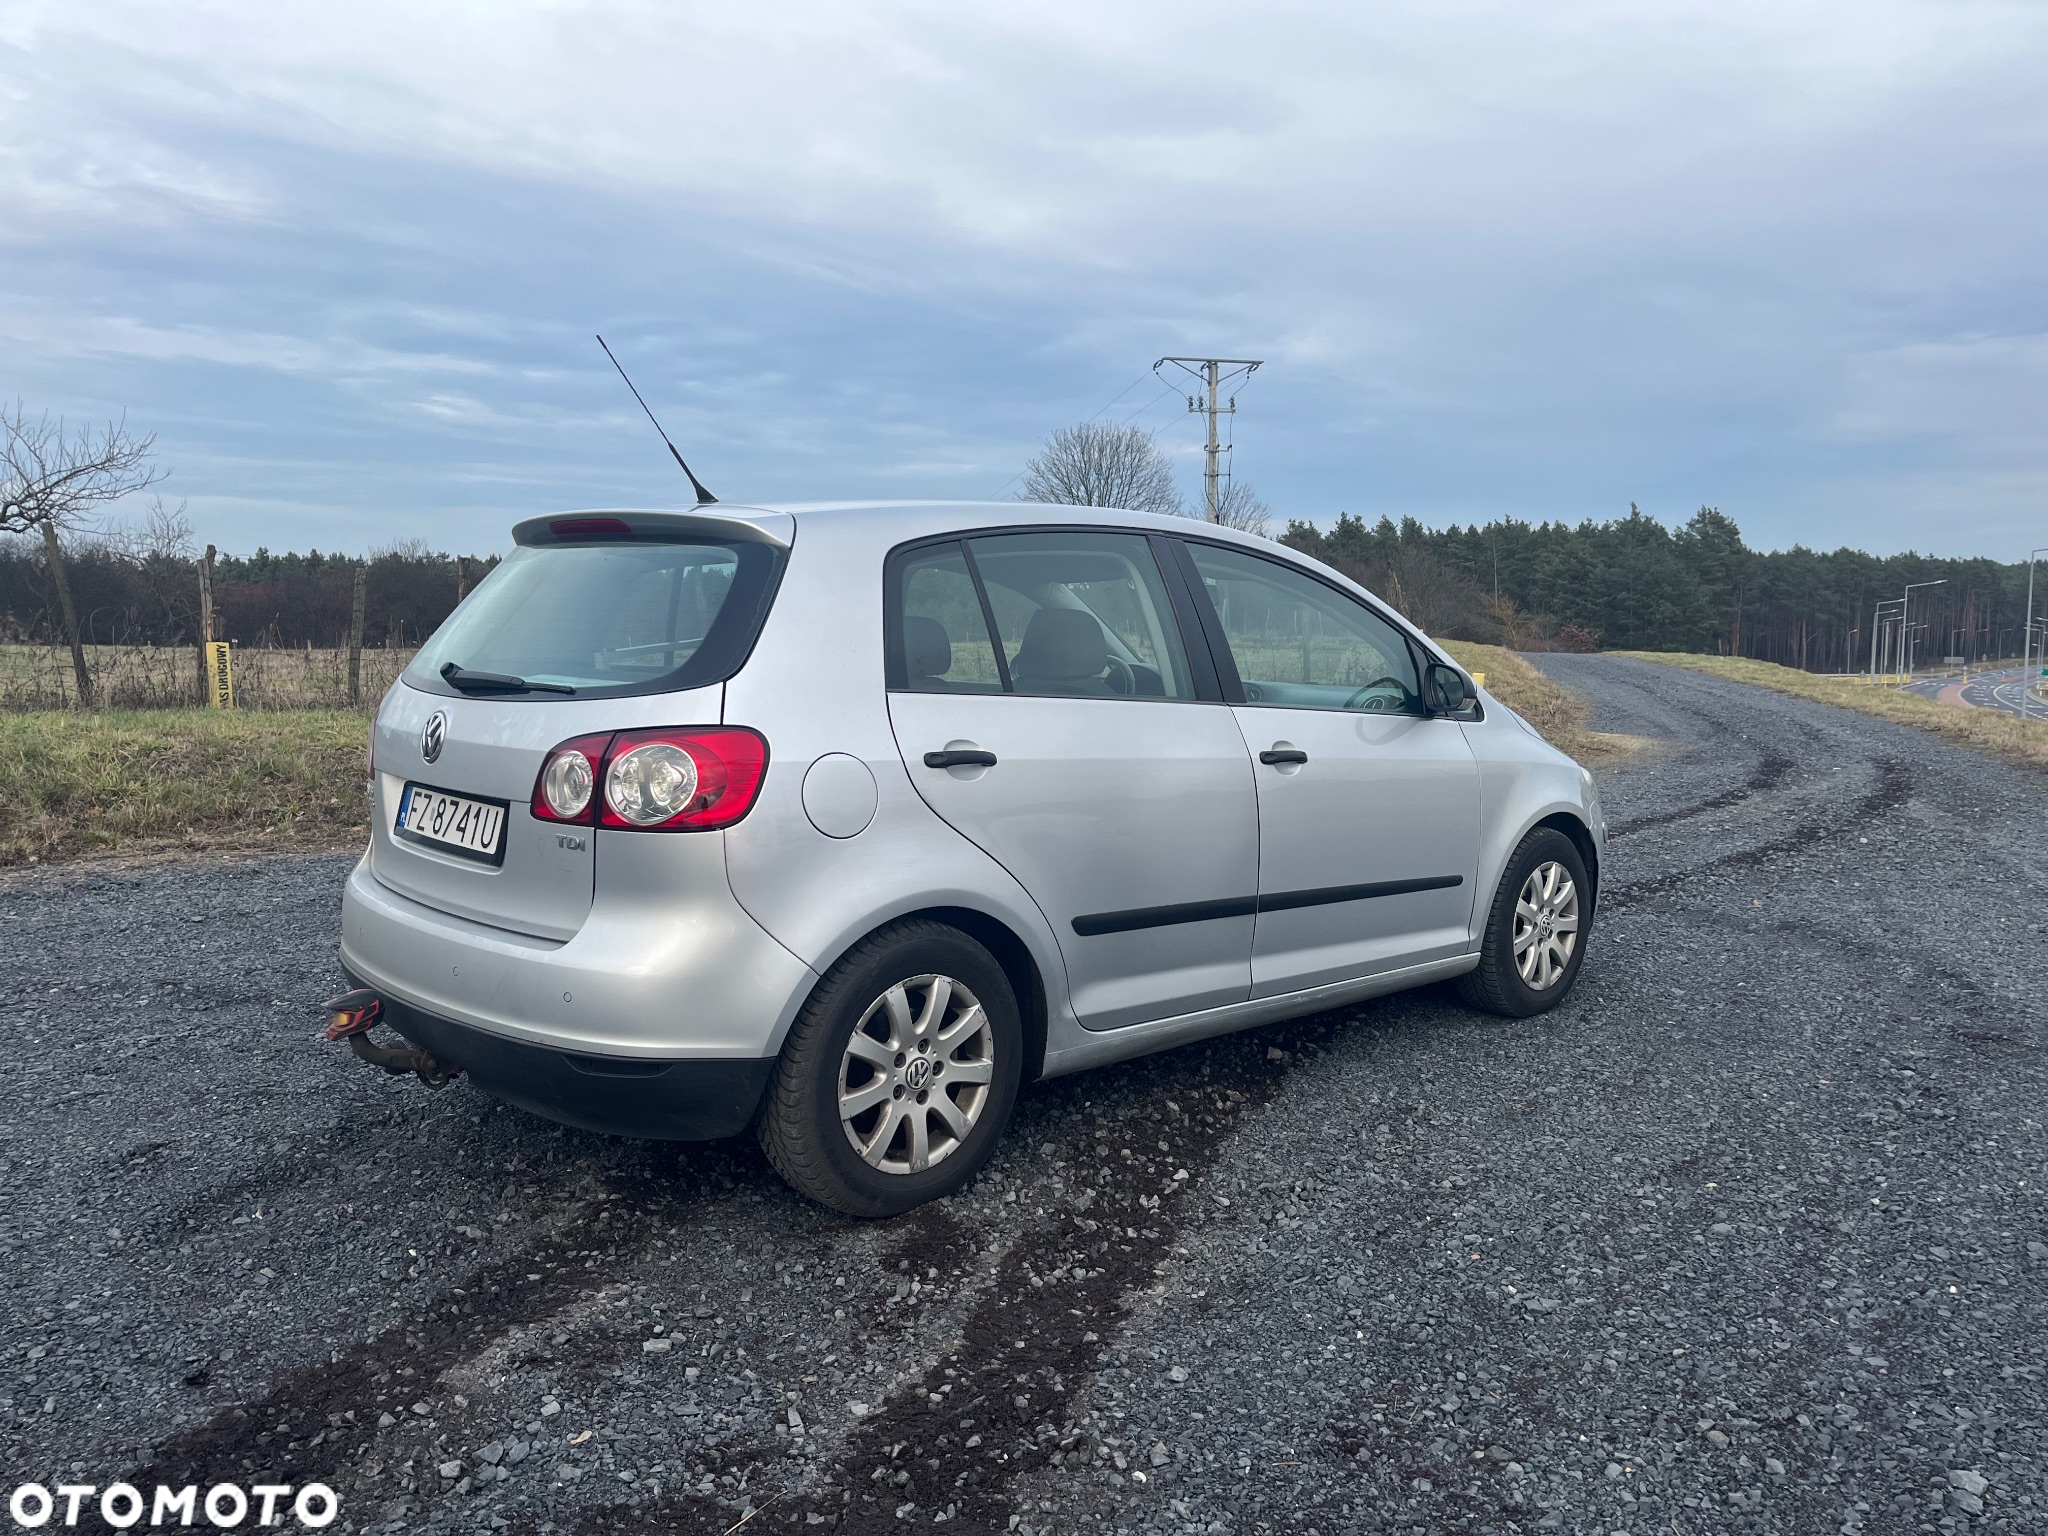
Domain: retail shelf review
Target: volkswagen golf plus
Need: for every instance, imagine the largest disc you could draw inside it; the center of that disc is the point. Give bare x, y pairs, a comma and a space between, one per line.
844, 822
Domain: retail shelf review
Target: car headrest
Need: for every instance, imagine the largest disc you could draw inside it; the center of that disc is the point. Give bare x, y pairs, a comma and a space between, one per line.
926, 650
1062, 643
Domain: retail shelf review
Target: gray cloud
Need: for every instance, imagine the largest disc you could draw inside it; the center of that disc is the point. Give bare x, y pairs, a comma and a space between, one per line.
1501, 259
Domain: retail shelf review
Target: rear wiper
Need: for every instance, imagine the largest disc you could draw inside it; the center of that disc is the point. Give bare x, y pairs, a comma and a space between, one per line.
495, 682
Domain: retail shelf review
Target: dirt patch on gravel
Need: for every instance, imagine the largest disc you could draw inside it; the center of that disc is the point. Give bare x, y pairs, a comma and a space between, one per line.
999, 1403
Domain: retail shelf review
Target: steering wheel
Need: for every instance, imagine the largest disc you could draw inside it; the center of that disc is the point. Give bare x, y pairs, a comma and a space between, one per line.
1120, 677
1372, 703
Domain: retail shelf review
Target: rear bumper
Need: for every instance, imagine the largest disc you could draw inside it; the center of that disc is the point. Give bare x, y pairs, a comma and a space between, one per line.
692, 1100
667, 967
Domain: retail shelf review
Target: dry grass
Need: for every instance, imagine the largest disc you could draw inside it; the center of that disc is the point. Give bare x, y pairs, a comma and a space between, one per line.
145, 781
191, 780
1558, 715
160, 677
2002, 735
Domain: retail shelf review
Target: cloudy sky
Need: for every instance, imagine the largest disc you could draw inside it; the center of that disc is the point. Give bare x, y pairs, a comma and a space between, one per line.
1527, 260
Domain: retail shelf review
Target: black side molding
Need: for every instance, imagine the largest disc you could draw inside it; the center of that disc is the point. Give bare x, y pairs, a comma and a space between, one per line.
1092, 924
1164, 917
1288, 901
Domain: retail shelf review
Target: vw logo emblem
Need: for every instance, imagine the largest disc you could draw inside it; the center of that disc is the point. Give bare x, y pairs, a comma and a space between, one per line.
918, 1073
434, 736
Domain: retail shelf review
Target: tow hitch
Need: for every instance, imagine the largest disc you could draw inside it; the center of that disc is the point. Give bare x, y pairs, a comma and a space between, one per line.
353, 1015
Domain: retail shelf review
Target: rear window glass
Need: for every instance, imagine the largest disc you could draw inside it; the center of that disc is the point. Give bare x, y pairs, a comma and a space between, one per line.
608, 619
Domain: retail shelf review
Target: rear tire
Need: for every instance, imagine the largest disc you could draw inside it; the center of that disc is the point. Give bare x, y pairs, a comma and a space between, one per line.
898, 1076
1536, 930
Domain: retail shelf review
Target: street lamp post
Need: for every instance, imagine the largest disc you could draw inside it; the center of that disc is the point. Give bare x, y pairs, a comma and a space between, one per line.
2027, 660
1879, 624
1906, 629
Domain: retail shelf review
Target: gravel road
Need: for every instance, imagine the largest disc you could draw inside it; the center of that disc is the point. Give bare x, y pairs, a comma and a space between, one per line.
1750, 1236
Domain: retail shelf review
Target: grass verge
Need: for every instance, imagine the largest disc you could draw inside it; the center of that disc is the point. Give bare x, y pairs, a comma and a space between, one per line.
194, 780
1560, 716
209, 781
2002, 735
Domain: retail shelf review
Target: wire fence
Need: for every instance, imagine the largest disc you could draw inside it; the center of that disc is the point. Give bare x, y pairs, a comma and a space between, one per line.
37, 676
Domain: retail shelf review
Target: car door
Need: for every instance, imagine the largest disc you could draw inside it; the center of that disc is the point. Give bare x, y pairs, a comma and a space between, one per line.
1042, 695
1368, 805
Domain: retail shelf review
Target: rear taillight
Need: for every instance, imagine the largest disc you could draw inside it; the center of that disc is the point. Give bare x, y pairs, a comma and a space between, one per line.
678, 779
567, 787
682, 780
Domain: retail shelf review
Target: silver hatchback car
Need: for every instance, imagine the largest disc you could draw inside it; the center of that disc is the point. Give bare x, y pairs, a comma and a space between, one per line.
843, 822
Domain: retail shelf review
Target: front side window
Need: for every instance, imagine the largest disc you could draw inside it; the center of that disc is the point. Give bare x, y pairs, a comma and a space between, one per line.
1299, 644
608, 619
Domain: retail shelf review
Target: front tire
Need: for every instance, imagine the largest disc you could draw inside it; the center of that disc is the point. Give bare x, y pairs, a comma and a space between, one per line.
899, 1074
1536, 931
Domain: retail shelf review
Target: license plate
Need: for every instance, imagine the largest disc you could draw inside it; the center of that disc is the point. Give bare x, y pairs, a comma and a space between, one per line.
474, 829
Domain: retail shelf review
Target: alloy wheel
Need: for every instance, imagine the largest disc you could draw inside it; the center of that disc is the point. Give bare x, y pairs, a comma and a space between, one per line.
1546, 926
915, 1074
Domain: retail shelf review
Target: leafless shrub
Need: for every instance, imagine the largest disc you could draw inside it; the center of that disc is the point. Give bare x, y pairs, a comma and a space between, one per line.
1238, 506
1099, 466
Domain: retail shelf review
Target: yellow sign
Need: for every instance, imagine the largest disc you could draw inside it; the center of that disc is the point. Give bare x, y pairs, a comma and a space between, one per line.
1479, 678
220, 675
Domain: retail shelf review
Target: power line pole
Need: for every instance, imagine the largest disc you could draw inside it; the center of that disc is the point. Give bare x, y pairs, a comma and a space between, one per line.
1211, 372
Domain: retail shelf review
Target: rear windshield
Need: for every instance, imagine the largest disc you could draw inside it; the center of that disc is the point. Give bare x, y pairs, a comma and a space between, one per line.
609, 619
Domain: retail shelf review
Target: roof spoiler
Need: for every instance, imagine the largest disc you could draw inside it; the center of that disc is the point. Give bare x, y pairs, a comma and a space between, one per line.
607, 527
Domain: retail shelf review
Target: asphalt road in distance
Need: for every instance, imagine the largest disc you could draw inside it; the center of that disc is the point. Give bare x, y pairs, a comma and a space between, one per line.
1748, 1236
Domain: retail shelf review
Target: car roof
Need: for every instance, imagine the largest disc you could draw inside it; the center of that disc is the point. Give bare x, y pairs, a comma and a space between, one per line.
895, 522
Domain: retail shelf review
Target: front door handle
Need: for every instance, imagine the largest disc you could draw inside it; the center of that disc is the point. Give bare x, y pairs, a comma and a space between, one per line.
960, 759
1273, 756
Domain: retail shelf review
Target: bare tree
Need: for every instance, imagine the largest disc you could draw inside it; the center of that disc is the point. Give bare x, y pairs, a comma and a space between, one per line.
1238, 506
164, 555
1098, 466
52, 479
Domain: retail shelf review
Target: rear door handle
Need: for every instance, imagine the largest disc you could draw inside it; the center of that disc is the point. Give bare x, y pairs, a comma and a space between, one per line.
1273, 755
960, 759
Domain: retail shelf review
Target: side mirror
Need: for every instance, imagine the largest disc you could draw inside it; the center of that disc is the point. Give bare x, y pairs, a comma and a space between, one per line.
1447, 688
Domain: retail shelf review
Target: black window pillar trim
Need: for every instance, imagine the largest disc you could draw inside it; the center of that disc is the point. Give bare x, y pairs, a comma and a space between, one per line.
1168, 555
1217, 643
988, 615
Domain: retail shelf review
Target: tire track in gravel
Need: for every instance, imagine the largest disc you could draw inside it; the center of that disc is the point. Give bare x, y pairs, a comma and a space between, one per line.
996, 1404
1770, 773
1893, 788
294, 1432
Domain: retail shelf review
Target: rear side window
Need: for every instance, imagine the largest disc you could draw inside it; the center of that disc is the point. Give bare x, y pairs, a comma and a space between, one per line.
1076, 613
943, 637
609, 619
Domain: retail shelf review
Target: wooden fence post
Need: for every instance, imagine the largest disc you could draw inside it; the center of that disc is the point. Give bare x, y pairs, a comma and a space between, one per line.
205, 622
80, 675
355, 639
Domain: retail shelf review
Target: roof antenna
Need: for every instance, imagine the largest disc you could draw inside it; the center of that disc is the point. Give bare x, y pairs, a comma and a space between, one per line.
703, 496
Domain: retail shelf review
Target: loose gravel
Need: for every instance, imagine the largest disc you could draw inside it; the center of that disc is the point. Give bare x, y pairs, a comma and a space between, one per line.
1749, 1236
